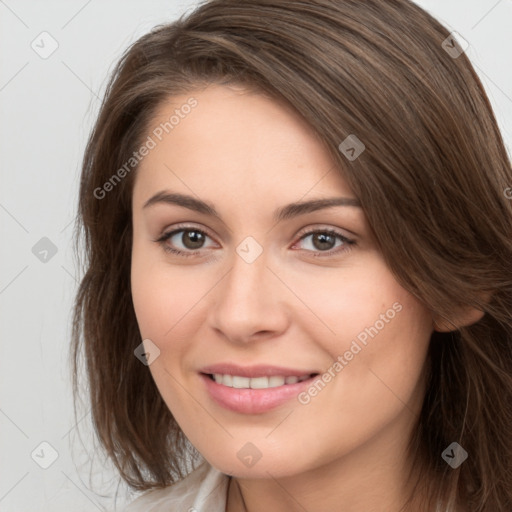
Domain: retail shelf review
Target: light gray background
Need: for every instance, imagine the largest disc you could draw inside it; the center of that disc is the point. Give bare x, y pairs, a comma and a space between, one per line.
47, 109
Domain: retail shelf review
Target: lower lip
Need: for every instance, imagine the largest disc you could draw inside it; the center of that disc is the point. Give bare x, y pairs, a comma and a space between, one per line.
253, 401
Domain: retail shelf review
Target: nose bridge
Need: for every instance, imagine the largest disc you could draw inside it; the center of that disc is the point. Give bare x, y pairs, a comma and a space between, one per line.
247, 300
245, 286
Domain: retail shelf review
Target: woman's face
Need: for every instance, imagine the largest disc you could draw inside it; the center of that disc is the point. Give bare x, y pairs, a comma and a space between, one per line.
256, 298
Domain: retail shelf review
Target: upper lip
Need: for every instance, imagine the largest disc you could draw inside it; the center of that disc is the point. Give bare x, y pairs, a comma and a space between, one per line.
260, 370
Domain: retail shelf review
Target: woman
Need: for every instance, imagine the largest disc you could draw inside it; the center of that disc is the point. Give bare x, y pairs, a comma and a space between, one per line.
298, 240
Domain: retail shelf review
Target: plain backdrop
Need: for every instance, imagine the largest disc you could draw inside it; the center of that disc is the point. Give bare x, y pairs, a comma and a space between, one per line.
48, 104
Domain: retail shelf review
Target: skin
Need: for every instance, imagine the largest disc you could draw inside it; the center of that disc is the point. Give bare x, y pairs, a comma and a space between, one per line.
248, 155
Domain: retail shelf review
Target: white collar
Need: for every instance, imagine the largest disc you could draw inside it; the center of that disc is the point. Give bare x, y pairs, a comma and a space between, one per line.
203, 490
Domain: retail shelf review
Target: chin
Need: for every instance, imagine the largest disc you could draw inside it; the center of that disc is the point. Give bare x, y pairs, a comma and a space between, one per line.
260, 469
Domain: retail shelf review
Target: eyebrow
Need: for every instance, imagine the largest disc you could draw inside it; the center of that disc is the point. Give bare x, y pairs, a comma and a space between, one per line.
285, 212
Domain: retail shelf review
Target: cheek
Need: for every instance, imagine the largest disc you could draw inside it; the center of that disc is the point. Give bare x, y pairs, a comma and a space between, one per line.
149, 301
387, 329
383, 357
161, 294
161, 298
379, 330
353, 302
379, 375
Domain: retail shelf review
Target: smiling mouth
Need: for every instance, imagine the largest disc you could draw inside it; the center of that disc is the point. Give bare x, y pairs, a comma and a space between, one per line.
240, 382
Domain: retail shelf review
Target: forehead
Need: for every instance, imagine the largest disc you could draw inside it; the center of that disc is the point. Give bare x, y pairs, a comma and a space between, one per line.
235, 141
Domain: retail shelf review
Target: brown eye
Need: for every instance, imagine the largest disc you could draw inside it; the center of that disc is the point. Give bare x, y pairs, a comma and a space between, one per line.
192, 239
323, 241
183, 241
326, 242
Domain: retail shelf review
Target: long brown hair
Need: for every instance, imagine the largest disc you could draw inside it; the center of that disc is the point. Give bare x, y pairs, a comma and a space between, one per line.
432, 181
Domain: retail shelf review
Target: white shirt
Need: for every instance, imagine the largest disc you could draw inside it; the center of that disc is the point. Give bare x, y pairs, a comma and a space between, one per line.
203, 490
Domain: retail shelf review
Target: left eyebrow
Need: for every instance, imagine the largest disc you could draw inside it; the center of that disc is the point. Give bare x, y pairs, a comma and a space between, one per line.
283, 213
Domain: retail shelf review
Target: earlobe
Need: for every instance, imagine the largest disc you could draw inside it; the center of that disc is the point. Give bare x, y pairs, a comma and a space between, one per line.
467, 316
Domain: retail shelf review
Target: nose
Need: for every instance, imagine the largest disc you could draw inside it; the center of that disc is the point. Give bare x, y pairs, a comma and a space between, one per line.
249, 303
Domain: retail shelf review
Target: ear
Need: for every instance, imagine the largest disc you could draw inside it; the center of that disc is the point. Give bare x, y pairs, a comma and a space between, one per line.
465, 317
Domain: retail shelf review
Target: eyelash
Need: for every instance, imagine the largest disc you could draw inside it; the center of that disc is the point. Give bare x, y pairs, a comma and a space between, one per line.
318, 254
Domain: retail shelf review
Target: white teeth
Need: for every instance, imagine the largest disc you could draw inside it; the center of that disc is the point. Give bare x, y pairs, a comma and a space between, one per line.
238, 382
275, 381
259, 383
241, 382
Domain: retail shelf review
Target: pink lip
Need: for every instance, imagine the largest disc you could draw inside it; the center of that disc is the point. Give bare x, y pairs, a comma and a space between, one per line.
253, 401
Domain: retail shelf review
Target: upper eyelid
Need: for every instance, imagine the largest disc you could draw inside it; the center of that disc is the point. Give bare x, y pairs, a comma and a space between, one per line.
176, 229
322, 227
